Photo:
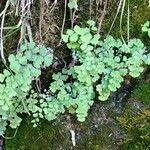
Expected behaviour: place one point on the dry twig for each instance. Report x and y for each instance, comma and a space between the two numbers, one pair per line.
23, 8
102, 17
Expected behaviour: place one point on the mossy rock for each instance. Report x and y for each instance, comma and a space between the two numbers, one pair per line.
47, 136
137, 129
55, 135
96, 139
141, 92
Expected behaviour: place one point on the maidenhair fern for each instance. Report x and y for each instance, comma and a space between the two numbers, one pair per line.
15, 82
104, 63
100, 68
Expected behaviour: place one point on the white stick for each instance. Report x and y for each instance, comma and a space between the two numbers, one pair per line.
72, 132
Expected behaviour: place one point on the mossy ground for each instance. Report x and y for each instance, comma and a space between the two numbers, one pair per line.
47, 136
137, 128
90, 135
100, 131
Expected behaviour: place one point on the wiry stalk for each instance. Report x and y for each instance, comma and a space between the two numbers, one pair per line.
22, 8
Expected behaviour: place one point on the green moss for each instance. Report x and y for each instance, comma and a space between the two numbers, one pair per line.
95, 134
98, 140
54, 135
139, 14
137, 129
47, 136
142, 92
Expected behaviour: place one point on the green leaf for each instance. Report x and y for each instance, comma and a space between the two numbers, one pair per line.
86, 38
5, 107
77, 29
83, 46
34, 125
145, 26
6, 73
72, 4
65, 38
2, 77
35, 50
28, 55
48, 60
2, 87
134, 74
15, 66
23, 60
43, 51
117, 59
70, 32
94, 28
11, 58
23, 47
89, 48
19, 79
103, 97
31, 45
74, 37
95, 39
112, 87
25, 88
73, 45
38, 62
81, 119
2, 102
91, 23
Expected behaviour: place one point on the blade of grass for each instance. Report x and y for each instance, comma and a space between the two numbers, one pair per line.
128, 23
118, 10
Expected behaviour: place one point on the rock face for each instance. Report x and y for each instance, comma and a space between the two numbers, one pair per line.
102, 130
